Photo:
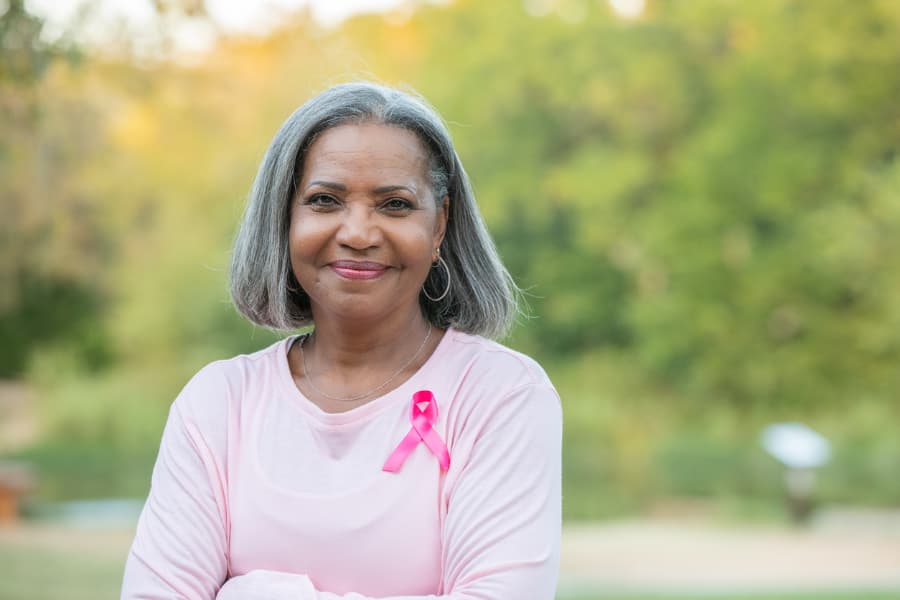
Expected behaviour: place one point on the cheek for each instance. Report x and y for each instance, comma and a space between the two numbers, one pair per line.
419, 247
304, 236
296, 238
430, 230
301, 248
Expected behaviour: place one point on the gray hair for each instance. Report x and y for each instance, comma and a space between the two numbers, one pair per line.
483, 299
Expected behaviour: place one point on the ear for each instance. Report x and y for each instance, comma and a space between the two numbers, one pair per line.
440, 224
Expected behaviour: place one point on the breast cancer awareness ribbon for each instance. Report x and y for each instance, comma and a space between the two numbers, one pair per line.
422, 430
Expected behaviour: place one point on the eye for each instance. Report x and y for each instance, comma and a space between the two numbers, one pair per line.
321, 201
397, 205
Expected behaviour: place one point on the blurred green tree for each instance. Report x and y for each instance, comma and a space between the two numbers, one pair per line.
702, 204
714, 166
48, 234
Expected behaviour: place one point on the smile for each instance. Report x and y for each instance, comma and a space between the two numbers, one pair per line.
349, 269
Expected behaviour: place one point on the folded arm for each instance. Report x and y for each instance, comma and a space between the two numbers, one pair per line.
500, 534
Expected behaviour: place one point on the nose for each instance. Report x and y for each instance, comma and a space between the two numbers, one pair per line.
359, 229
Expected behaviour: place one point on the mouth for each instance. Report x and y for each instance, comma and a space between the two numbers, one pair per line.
351, 269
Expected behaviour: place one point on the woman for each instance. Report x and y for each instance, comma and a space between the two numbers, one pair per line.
393, 452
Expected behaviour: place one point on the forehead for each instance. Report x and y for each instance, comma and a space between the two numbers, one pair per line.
366, 149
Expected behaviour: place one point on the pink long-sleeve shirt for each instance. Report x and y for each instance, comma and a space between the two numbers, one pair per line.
259, 494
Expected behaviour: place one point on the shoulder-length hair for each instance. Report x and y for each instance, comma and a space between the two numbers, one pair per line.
483, 299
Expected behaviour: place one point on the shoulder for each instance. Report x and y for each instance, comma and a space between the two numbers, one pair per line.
486, 359
222, 385
490, 382
499, 397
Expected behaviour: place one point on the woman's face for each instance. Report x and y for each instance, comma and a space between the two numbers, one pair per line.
365, 226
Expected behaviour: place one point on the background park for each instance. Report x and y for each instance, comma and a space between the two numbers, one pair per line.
701, 198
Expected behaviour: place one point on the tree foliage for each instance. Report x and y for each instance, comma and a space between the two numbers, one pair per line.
51, 246
706, 195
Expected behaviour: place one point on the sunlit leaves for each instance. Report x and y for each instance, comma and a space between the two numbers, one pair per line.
709, 189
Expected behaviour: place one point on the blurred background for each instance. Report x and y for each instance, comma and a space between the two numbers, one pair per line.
702, 198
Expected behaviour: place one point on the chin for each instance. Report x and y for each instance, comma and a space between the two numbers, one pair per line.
359, 307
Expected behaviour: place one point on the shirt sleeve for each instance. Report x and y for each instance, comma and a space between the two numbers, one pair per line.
179, 550
503, 522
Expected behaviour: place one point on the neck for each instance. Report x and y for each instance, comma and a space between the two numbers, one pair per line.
340, 344
354, 364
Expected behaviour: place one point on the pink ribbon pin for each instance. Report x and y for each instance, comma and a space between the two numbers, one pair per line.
422, 420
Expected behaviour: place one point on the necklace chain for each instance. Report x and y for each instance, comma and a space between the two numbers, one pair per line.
369, 392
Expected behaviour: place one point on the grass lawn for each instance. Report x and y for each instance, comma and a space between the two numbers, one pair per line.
30, 573
46, 563
787, 596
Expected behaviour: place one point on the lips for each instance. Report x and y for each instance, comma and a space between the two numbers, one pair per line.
351, 269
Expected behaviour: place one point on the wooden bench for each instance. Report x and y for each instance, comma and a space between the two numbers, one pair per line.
16, 480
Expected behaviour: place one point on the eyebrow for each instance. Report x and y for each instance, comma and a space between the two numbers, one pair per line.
328, 184
339, 187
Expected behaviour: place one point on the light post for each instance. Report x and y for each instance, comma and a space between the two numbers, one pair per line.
801, 450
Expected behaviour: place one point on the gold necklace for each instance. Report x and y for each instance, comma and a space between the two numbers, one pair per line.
369, 392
